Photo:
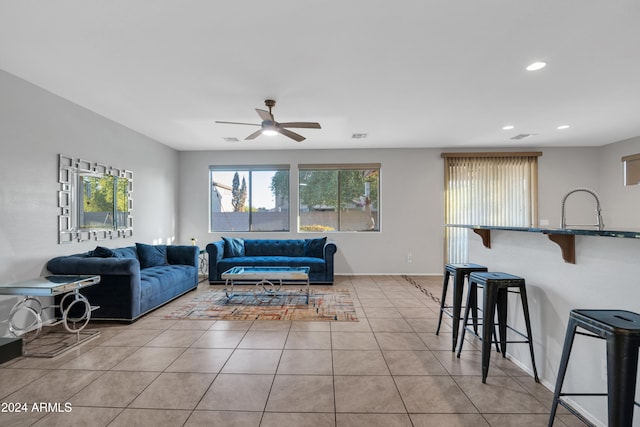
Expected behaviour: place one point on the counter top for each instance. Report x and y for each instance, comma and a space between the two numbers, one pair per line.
632, 234
563, 237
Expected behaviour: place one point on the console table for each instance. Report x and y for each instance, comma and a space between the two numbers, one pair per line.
26, 315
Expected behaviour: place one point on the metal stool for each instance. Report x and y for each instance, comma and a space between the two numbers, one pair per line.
621, 330
459, 271
496, 288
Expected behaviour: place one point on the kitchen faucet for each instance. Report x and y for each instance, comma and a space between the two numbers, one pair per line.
600, 224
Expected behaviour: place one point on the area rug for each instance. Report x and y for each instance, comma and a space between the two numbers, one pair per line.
324, 304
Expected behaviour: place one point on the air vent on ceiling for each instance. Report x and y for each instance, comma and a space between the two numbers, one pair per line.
359, 135
230, 139
522, 136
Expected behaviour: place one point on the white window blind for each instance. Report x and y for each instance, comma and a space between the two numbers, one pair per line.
487, 189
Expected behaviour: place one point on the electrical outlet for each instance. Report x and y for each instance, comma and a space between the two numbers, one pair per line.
544, 222
409, 257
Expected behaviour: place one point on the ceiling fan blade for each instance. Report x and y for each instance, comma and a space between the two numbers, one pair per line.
238, 123
254, 135
291, 134
310, 125
264, 114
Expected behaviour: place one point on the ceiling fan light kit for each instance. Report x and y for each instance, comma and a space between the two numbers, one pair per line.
269, 126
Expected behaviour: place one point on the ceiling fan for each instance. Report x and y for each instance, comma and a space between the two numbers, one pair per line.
269, 126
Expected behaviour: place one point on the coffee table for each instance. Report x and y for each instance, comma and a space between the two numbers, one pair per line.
26, 314
264, 278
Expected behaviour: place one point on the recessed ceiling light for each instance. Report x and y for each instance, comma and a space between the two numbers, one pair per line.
536, 66
508, 127
563, 127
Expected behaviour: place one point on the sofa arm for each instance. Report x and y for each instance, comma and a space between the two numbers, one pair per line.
329, 251
94, 265
183, 255
216, 253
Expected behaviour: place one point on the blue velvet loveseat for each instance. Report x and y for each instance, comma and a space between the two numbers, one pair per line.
133, 280
317, 254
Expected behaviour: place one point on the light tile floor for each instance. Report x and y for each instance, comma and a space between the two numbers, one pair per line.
388, 369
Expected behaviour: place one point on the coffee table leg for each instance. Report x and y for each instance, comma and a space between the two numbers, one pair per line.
272, 292
226, 288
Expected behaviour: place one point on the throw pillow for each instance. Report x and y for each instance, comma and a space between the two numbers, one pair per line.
233, 247
314, 247
151, 255
101, 252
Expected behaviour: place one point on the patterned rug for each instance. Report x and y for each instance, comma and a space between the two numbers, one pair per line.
324, 304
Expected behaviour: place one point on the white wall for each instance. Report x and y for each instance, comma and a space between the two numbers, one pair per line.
621, 204
561, 170
603, 277
35, 126
410, 199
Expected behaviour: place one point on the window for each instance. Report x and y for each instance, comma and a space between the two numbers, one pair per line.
249, 198
488, 189
339, 197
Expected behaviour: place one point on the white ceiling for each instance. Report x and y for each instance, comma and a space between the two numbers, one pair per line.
423, 73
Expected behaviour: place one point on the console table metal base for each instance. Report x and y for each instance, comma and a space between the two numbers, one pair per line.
52, 343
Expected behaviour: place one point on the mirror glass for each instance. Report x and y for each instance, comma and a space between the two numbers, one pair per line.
95, 201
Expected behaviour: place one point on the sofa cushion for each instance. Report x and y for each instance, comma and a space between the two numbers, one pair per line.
162, 283
314, 247
101, 252
128, 252
151, 255
233, 247
282, 247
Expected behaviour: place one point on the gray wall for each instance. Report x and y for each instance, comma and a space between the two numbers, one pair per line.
411, 203
35, 126
171, 193
411, 206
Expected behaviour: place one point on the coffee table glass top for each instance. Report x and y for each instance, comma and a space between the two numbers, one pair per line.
48, 285
279, 272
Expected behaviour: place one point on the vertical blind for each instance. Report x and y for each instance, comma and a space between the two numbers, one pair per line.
487, 189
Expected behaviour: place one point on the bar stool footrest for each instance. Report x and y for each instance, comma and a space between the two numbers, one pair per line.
575, 413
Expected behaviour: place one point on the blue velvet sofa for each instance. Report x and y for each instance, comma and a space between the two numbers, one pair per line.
134, 279
317, 254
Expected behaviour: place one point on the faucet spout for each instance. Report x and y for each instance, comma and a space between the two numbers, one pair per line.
600, 223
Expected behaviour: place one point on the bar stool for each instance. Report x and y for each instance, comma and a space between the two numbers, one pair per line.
459, 271
496, 289
621, 330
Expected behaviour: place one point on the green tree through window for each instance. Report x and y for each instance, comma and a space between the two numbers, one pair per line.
344, 198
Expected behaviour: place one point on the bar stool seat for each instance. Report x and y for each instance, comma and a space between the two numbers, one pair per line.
621, 331
496, 287
459, 272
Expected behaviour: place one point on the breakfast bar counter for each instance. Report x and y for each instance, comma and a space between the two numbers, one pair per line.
564, 237
594, 272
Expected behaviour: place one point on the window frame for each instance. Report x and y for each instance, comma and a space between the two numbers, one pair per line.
249, 169
339, 167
